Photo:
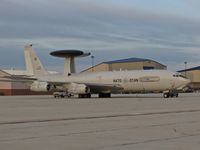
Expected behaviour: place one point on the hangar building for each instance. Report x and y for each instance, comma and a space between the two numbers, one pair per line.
194, 75
126, 64
15, 88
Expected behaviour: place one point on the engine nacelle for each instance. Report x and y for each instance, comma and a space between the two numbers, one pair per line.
38, 86
75, 88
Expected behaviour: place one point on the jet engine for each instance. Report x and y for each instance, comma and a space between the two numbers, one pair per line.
78, 88
39, 86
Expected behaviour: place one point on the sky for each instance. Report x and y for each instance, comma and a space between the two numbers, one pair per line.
167, 31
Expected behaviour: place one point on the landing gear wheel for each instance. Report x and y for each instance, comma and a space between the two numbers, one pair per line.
166, 95
176, 95
88, 95
170, 94
104, 95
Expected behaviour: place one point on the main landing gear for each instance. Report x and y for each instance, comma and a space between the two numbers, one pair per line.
104, 95
101, 95
88, 95
168, 94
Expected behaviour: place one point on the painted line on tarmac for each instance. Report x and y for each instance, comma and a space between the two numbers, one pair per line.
98, 117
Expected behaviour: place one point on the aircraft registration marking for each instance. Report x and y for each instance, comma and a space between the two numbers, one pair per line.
127, 80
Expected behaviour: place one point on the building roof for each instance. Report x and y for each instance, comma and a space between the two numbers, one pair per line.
126, 60
190, 69
133, 59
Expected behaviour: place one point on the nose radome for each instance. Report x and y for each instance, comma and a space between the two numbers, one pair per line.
187, 81
184, 82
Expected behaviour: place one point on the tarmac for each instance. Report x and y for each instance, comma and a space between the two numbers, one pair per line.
123, 122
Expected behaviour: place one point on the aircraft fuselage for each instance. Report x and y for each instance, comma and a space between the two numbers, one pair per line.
130, 81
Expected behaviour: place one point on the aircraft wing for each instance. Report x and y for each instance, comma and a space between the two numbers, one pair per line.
16, 78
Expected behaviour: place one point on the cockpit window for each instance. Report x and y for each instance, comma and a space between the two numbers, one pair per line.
179, 75
183, 76
175, 75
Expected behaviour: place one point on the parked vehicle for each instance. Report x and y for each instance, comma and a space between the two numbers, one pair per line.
62, 94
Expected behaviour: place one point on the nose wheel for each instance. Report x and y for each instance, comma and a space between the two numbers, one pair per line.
170, 94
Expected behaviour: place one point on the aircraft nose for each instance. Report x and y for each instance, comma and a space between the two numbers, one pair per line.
187, 81
183, 82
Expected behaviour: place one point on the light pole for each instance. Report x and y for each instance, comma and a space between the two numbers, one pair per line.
185, 67
92, 57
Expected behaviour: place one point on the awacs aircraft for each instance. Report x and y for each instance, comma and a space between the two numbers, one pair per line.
103, 83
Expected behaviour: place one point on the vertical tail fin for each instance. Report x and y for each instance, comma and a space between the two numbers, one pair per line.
33, 64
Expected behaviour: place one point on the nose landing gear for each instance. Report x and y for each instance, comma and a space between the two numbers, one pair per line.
168, 94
